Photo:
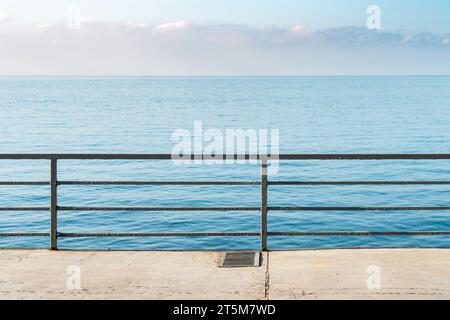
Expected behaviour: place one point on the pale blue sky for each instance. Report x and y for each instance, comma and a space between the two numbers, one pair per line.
398, 15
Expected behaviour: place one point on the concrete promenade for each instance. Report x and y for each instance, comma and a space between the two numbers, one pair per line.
320, 274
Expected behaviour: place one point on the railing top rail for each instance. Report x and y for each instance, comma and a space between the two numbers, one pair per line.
284, 156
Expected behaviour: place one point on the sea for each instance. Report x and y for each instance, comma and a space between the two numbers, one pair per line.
320, 115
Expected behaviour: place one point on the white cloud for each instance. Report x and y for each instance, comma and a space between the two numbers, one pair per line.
407, 38
78, 23
300, 29
88, 19
172, 26
3, 17
141, 48
137, 25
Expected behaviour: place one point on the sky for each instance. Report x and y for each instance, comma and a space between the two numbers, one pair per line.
223, 37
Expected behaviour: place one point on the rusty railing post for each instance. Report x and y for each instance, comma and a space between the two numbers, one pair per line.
54, 205
264, 204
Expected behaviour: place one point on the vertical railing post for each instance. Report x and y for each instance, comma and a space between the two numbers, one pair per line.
54, 204
264, 204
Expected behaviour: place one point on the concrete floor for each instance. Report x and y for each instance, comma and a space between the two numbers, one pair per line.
326, 274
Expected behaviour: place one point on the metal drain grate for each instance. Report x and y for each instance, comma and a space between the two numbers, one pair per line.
240, 259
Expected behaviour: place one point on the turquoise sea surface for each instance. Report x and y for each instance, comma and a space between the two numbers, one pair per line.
139, 115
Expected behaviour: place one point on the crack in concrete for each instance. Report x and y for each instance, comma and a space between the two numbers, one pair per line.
267, 279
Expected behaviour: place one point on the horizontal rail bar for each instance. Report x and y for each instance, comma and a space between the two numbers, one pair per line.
25, 209
143, 183
362, 233
359, 208
364, 156
229, 234
350, 183
225, 183
419, 208
24, 183
67, 156
158, 234
25, 234
159, 208
72, 156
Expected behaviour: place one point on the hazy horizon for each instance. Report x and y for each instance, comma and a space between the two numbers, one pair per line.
231, 76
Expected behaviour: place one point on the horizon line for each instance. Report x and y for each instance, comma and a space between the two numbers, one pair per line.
223, 76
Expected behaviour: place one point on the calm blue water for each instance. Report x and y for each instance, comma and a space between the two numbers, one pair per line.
314, 115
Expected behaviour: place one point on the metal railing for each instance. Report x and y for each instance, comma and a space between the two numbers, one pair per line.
264, 184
